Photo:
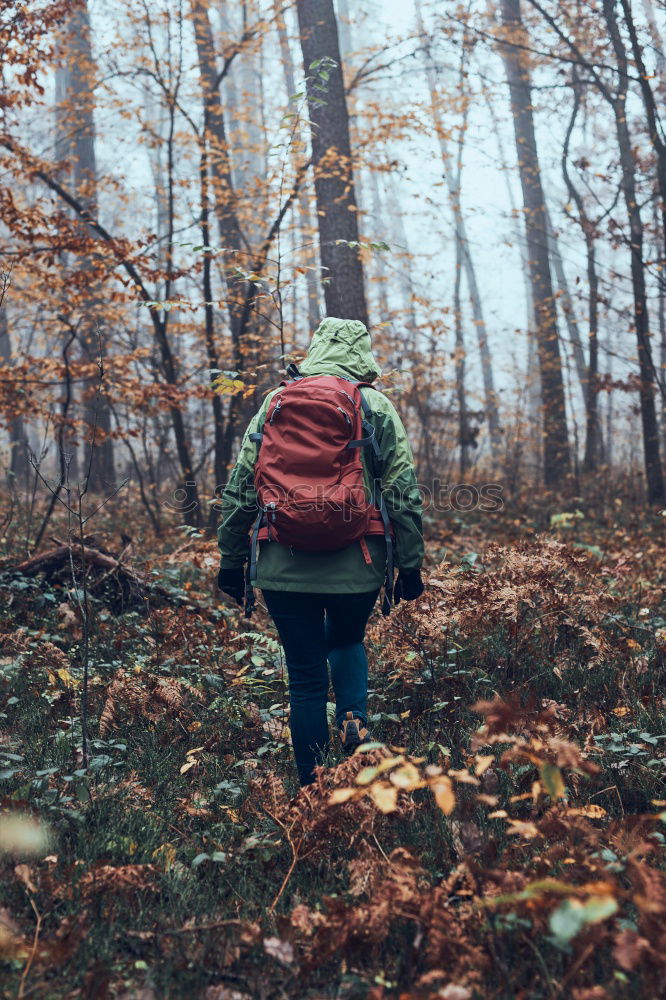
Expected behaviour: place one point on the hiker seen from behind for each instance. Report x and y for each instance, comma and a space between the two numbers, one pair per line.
320, 511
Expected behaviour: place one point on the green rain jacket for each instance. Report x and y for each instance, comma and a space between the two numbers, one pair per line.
339, 347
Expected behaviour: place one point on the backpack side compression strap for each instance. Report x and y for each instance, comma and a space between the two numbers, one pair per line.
379, 502
368, 428
251, 577
364, 442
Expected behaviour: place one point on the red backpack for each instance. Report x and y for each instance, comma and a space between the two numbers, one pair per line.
309, 473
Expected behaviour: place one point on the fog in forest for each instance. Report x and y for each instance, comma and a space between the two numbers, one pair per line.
118, 121
332, 562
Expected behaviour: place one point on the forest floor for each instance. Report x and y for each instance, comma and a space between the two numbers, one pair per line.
502, 838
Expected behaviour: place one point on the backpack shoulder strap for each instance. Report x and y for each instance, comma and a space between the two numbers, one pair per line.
370, 435
367, 409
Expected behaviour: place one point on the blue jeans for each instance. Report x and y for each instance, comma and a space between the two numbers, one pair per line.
312, 629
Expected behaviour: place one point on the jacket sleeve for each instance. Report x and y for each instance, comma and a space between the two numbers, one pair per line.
397, 477
239, 500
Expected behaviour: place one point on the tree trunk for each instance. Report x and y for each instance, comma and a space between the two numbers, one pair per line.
463, 428
378, 232
657, 41
371, 219
344, 290
490, 393
17, 466
410, 352
555, 438
653, 469
404, 264
533, 395
231, 236
655, 133
219, 467
242, 116
346, 27
608, 456
156, 112
306, 223
566, 303
75, 143
651, 114
593, 436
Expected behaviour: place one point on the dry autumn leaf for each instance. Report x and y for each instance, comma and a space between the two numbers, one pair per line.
384, 796
442, 789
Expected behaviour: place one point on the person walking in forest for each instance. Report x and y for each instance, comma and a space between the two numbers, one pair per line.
325, 472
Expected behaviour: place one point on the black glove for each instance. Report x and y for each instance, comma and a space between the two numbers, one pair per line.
408, 586
232, 582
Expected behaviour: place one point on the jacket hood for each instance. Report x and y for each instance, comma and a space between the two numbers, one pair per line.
341, 347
